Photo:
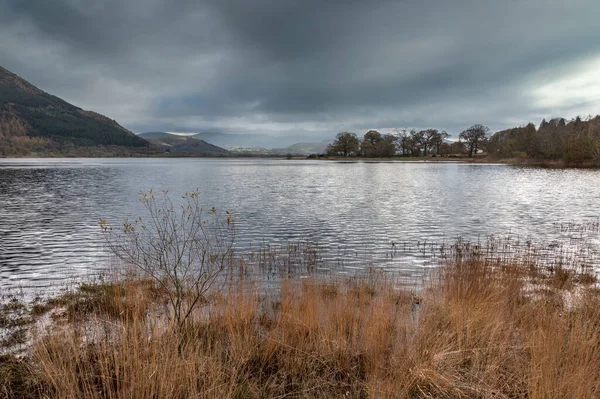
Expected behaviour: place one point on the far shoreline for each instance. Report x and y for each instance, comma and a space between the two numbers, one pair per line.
553, 164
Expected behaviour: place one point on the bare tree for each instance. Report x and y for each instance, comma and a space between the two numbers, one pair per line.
416, 141
474, 136
438, 140
401, 141
182, 248
428, 138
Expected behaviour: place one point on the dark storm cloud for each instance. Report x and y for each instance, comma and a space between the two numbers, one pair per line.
309, 67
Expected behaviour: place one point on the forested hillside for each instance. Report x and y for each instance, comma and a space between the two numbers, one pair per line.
32, 120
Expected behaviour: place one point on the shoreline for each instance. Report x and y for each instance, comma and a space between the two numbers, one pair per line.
552, 164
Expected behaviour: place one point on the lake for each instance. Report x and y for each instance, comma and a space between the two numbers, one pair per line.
354, 211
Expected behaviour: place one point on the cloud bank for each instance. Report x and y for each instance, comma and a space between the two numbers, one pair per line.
309, 68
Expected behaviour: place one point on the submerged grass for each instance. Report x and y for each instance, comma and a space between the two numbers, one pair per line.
481, 327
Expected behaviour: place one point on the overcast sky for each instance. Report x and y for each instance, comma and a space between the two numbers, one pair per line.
310, 67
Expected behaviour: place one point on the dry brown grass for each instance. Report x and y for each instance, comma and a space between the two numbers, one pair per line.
478, 329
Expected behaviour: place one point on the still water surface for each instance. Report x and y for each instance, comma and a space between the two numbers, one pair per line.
49, 209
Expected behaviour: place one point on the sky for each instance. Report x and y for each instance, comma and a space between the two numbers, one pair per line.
312, 68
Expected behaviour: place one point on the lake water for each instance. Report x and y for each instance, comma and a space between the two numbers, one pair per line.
49, 209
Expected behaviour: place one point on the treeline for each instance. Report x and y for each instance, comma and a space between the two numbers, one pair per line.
44, 147
428, 142
574, 141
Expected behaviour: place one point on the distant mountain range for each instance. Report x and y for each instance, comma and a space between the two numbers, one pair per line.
33, 121
306, 148
187, 145
260, 144
228, 140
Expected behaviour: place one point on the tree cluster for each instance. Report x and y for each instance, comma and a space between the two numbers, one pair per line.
571, 141
376, 145
408, 143
423, 142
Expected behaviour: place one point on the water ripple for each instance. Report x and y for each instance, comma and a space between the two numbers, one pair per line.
356, 212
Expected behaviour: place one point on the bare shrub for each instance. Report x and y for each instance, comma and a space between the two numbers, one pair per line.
185, 249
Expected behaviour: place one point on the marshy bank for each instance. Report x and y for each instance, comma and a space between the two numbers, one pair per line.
481, 326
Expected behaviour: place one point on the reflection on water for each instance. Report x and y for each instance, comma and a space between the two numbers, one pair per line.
358, 213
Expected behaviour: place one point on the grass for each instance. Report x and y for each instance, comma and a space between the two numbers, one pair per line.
14, 322
480, 328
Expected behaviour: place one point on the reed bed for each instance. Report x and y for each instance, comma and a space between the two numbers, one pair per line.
489, 322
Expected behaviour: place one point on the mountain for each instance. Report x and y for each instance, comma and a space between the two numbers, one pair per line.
238, 144
305, 148
32, 120
264, 143
183, 144
229, 140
